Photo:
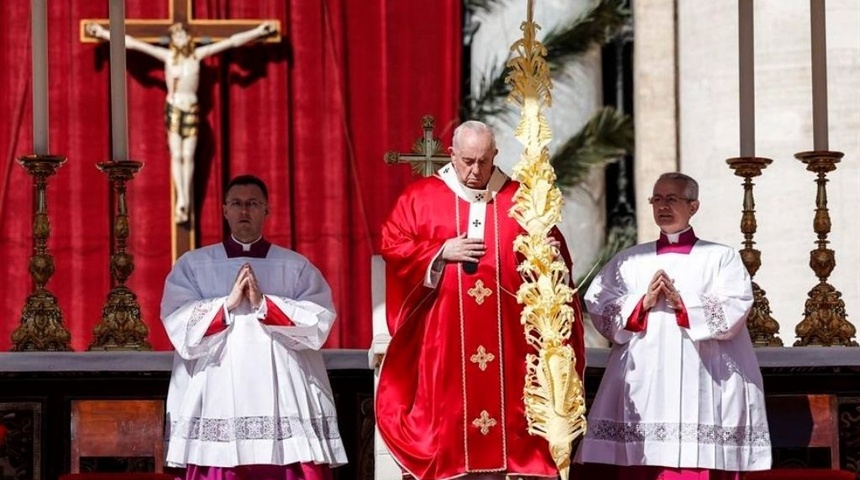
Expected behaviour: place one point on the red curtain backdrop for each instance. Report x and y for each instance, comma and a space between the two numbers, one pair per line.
312, 116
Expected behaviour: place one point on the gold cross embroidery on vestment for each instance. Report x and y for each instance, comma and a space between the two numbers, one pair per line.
482, 358
479, 292
484, 422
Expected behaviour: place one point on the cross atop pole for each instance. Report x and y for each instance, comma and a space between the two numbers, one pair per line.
155, 30
427, 156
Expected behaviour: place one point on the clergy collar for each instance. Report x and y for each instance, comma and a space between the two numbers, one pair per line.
681, 242
471, 195
259, 248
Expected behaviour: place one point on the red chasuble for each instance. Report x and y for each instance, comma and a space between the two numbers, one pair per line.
450, 397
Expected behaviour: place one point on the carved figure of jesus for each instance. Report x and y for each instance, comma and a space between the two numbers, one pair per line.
182, 73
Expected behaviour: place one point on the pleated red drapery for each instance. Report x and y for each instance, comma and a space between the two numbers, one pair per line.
312, 116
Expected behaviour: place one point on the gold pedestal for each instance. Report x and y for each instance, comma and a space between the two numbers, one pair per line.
41, 326
824, 318
762, 327
121, 327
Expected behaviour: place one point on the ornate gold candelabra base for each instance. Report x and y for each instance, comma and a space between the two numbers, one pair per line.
762, 327
121, 327
41, 326
824, 319
41, 320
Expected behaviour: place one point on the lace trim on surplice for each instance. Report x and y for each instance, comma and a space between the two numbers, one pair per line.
715, 316
253, 428
200, 310
609, 316
674, 432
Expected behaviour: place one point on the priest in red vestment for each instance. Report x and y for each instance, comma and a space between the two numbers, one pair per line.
450, 397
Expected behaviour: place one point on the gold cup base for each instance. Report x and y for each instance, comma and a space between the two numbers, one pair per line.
121, 327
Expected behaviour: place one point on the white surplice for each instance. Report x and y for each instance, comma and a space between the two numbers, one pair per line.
252, 393
672, 396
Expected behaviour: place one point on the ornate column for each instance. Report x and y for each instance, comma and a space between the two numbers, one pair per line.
121, 327
762, 327
41, 320
824, 319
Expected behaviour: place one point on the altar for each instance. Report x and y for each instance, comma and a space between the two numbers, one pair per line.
38, 388
36, 391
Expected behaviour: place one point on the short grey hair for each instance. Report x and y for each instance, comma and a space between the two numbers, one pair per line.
691, 186
473, 126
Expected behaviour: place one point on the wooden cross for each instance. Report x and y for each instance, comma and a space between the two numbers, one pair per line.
155, 30
203, 31
427, 156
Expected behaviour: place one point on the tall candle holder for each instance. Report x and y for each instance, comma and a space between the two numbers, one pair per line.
762, 327
121, 327
41, 326
824, 318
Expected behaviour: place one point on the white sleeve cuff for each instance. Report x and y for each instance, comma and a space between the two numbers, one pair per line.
434, 270
262, 310
228, 317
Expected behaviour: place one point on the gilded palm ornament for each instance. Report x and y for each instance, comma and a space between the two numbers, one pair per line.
553, 394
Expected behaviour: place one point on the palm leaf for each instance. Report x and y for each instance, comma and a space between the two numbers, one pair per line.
597, 26
564, 44
490, 100
604, 139
620, 237
486, 6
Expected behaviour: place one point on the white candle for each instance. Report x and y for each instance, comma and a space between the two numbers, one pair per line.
746, 64
118, 111
39, 18
819, 74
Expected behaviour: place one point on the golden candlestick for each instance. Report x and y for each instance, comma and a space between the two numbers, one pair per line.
121, 327
824, 318
41, 320
762, 327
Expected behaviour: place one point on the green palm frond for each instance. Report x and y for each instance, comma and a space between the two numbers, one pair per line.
486, 6
597, 26
619, 238
604, 139
491, 98
564, 44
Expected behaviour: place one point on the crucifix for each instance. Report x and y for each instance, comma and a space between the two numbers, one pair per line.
170, 40
427, 156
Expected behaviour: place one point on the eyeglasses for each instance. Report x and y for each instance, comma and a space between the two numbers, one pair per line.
670, 200
240, 205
